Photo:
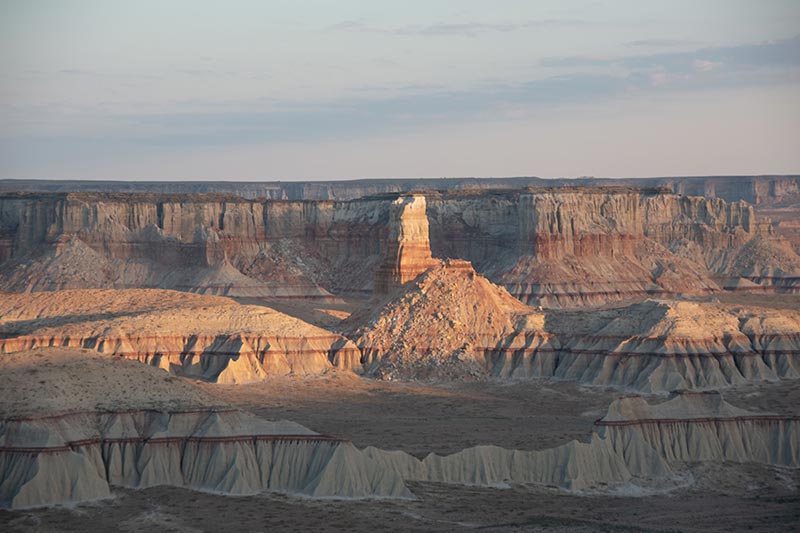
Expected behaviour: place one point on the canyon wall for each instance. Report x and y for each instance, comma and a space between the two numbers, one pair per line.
555, 246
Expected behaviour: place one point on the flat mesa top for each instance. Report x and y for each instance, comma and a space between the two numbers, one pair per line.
44, 382
189, 197
88, 312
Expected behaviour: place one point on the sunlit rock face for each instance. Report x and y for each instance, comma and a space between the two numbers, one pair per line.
409, 251
556, 247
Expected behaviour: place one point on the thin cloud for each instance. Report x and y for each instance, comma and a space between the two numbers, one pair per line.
255, 121
465, 29
76, 72
780, 53
662, 43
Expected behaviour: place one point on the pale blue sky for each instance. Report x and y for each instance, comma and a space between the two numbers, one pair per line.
302, 89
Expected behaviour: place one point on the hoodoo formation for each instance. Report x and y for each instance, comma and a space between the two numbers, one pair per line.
156, 339
409, 251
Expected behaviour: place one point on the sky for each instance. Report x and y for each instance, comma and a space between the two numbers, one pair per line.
344, 89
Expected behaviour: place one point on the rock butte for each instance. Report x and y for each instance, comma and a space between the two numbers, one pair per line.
409, 252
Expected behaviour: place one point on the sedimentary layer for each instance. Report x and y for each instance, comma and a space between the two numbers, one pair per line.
454, 323
409, 252
551, 246
656, 346
204, 337
636, 443
694, 427
77, 450
58, 454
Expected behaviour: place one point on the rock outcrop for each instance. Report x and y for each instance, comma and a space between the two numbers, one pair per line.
203, 337
409, 251
657, 346
163, 433
636, 443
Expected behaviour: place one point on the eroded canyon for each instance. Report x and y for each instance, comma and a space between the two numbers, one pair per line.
381, 340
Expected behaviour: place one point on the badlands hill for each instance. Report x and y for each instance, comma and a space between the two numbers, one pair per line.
163, 433
453, 323
114, 422
205, 337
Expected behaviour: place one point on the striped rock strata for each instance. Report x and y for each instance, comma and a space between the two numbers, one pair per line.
204, 337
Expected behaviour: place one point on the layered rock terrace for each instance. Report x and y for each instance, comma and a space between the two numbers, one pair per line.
204, 337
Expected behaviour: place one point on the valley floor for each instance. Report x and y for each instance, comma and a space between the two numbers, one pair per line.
437, 508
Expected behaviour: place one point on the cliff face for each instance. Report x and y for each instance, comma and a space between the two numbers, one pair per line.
207, 244
608, 222
550, 246
409, 253
587, 245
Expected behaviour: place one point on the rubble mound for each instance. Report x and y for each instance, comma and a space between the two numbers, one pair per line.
206, 337
69, 264
437, 326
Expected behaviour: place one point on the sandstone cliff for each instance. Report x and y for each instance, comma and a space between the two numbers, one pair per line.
594, 245
550, 246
